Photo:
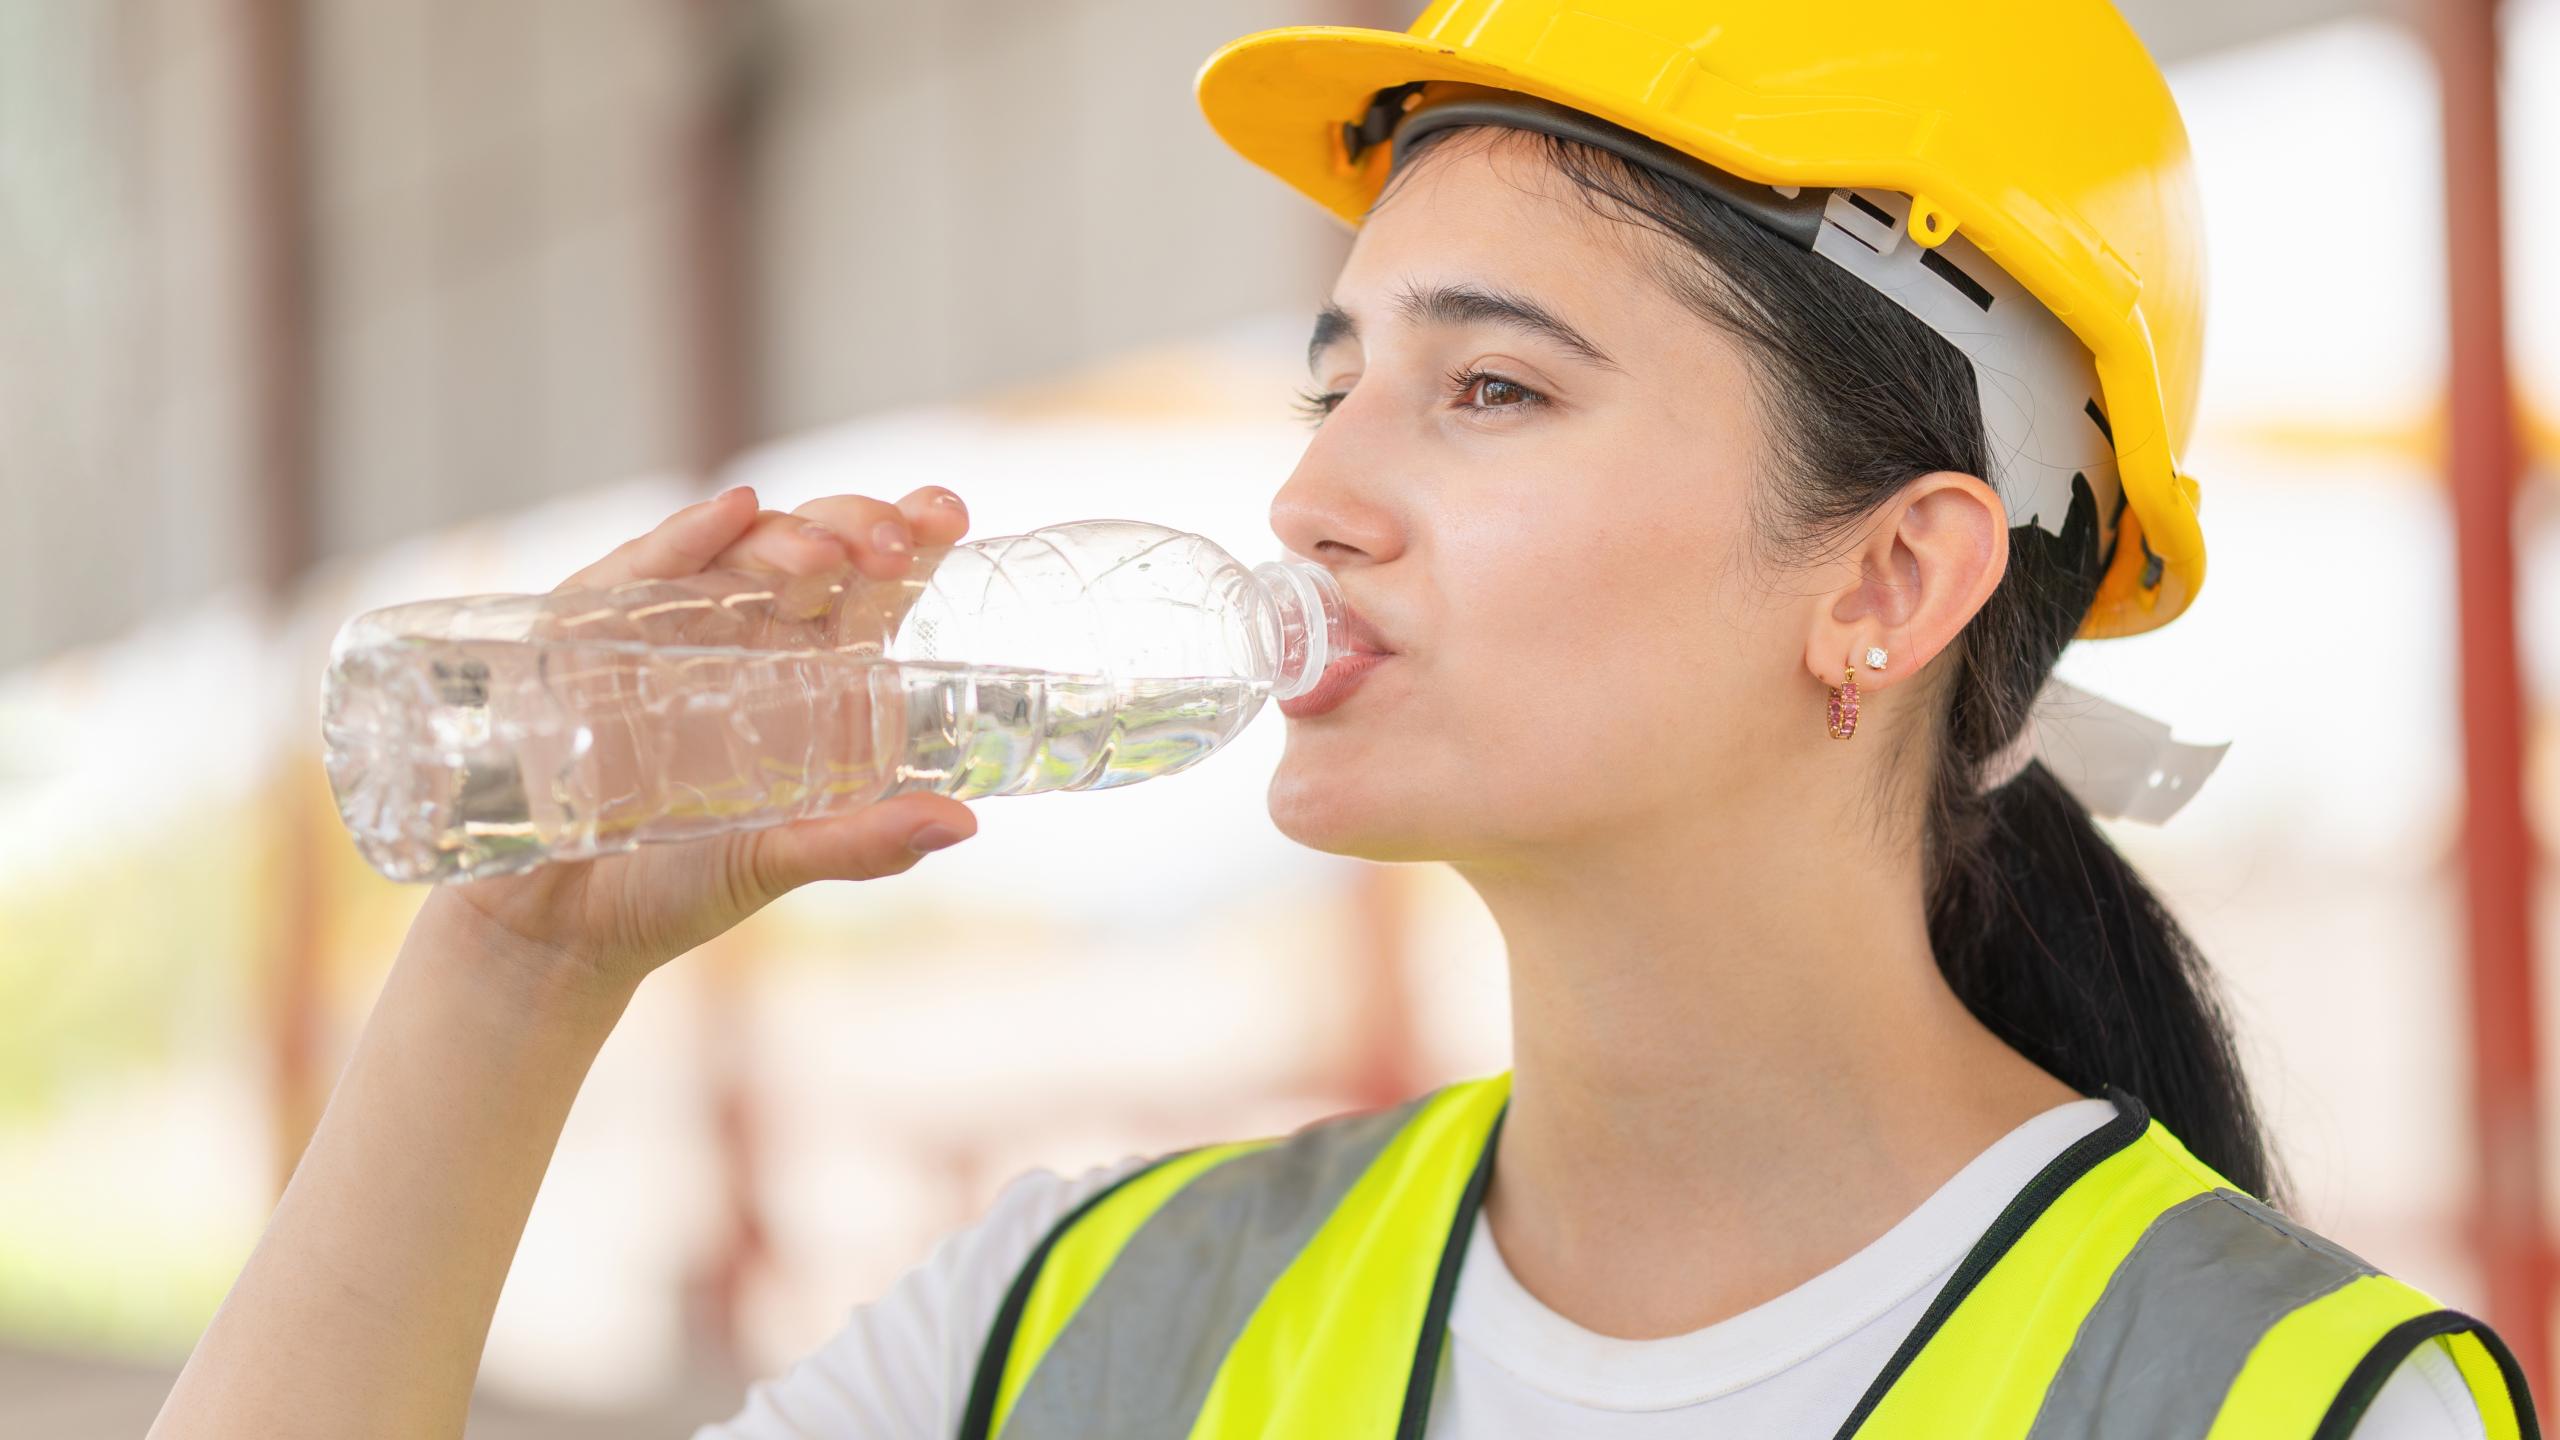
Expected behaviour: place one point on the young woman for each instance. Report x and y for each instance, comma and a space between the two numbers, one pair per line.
1719, 504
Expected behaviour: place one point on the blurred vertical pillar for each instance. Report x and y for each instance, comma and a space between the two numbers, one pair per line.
1384, 1066
717, 1283
715, 212
282, 372
2486, 464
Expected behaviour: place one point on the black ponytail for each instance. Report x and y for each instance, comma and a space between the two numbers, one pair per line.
2052, 939
2040, 926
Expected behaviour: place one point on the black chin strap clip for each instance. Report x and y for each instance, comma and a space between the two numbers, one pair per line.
1385, 108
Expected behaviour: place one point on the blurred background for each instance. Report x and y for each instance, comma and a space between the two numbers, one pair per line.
308, 306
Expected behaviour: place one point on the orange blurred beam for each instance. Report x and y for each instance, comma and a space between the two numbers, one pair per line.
283, 371
733, 42
713, 177
2485, 460
1385, 1059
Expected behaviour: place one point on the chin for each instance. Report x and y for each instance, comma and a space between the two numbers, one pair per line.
1342, 814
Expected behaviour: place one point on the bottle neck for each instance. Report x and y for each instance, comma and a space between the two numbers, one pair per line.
1307, 612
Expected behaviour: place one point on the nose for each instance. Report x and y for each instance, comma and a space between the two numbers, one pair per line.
1336, 506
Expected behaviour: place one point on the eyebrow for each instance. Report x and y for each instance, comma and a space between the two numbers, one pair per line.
1462, 304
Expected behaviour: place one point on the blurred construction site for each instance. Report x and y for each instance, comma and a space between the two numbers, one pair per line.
308, 306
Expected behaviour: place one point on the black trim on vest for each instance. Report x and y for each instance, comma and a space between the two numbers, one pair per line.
2365, 1381
1444, 1287
2064, 1171
991, 1357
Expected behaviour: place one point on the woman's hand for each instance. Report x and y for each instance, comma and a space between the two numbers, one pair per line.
610, 921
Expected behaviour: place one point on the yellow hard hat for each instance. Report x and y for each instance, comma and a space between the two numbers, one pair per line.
2040, 129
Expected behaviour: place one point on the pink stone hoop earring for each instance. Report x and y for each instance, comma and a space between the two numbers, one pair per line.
1843, 710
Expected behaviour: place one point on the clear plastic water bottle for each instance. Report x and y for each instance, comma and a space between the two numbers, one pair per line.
489, 734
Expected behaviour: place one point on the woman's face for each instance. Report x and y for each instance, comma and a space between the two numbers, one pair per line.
1553, 542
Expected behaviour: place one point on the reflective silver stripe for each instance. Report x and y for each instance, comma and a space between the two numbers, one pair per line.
2158, 1352
1137, 1357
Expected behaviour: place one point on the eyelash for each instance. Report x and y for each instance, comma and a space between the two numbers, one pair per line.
1313, 406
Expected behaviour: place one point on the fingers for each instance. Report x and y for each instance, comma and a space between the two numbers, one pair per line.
877, 537
874, 841
777, 540
683, 544
729, 532
935, 516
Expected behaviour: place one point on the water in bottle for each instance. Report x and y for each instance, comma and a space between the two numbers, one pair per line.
488, 734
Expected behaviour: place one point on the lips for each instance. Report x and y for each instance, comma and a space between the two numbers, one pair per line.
1340, 678
1362, 637
1364, 648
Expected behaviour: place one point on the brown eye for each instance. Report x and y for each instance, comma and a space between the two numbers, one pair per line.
1499, 393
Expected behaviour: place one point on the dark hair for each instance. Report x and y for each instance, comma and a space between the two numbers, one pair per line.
2040, 926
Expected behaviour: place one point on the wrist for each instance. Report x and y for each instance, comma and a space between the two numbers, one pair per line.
541, 982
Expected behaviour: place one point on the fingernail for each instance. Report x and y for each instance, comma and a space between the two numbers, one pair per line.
822, 535
946, 498
932, 838
887, 536
733, 490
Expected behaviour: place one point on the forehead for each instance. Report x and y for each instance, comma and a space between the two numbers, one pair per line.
1485, 205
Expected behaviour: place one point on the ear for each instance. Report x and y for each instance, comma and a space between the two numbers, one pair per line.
1936, 553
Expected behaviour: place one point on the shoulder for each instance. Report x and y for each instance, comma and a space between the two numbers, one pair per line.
2285, 1302
1025, 1209
902, 1363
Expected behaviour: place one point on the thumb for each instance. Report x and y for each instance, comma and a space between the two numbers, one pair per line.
872, 842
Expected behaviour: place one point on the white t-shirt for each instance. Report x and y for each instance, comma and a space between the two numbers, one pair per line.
1513, 1369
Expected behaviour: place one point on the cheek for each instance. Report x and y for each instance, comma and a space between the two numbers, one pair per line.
1602, 636
1574, 570
1578, 681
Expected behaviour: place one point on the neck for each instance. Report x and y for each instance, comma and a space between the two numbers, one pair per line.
1725, 1080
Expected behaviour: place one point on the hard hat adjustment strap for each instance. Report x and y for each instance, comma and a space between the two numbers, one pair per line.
1385, 109
1798, 217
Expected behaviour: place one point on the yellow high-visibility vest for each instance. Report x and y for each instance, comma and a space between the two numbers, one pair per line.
1298, 1288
